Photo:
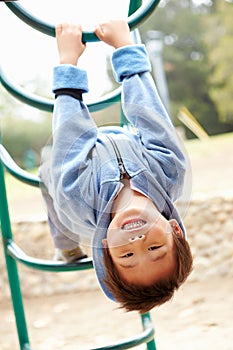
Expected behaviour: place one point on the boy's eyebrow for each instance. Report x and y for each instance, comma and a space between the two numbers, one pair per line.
130, 266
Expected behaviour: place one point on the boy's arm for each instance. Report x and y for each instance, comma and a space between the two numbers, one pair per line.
68, 80
142, 106
141, 103
74, 131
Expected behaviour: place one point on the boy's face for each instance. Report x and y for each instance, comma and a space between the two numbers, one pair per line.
140, 242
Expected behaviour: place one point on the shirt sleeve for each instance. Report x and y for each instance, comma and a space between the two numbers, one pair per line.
144, 109
74, 137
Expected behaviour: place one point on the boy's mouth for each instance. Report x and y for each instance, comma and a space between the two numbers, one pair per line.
133, 224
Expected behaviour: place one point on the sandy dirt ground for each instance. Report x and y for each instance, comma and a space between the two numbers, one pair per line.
199, 318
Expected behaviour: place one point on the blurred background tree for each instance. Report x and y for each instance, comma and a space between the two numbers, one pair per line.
189, 50
219, 38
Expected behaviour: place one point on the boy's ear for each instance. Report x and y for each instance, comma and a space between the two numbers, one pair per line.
176, 228
105, 243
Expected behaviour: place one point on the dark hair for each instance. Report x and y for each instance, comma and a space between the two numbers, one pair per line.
143, 299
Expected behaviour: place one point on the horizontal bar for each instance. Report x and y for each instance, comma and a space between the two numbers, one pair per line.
16, 171
46, 265
135, 19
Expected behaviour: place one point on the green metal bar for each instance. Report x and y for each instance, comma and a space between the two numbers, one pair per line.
12, 270
146, 336
27, 347
24, 96
46, 265
16, 171
146, 322
133, 6
136, 18
143, 12
47, 105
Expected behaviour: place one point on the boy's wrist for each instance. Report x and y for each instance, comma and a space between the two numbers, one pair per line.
122, 44
68, 60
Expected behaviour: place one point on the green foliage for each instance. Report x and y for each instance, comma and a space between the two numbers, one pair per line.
186, 57
219, 36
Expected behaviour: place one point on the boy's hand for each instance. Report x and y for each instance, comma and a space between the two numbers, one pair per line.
69, 43
115, 33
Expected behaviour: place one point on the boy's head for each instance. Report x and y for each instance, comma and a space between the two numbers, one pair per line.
146, 257
143, 297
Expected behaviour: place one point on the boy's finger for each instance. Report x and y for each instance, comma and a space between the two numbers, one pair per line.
58, 29
98, 31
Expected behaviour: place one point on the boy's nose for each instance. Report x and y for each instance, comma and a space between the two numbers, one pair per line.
136, 238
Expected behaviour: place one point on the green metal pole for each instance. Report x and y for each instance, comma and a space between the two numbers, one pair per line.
12, 267
146, 321
133, 6
144, 10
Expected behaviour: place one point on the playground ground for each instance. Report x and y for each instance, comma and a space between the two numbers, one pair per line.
199, 318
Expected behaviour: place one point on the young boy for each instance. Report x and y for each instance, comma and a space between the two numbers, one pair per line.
114, 188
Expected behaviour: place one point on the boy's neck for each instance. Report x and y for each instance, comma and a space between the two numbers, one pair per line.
126, 197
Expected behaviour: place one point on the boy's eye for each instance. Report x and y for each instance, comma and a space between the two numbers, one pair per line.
127, 255
154, 247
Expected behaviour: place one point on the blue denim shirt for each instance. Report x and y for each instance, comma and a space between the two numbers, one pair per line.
85, 176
